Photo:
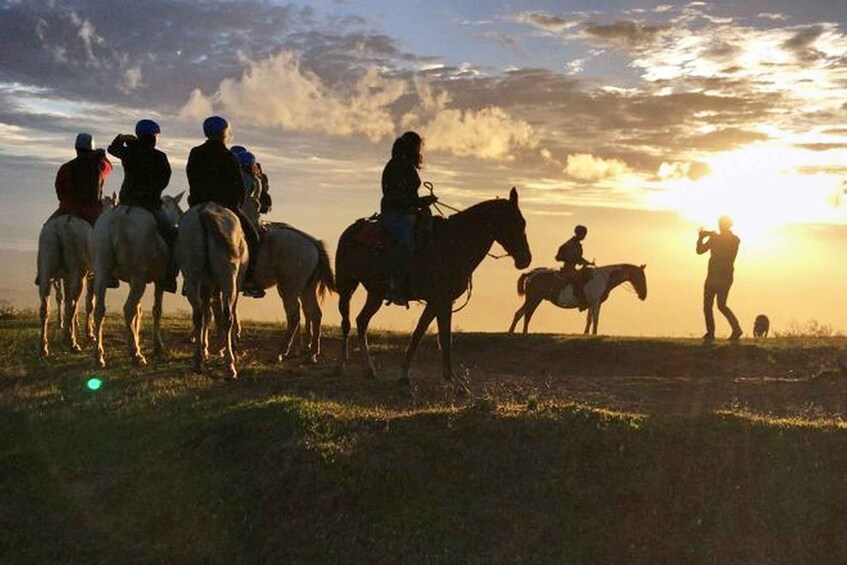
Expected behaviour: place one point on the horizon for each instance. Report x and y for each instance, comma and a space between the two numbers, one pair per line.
642, 120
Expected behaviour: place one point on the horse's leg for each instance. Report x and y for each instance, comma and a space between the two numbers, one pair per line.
588, 316
44, 285
236, 324
132, 320
372, 305
158, 346
73, 290
60, 302
345, 293
596, 317
99, 313
518, 314
291, 304
314, 316
423, 323
228, 301
532, 305
89, 306
444, 317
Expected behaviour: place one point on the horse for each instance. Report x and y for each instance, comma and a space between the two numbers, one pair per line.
442, 269
545, 284
64, 263
213, 258
127, 245
299, 266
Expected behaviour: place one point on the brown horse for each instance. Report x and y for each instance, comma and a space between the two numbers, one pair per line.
545, 284
441, 270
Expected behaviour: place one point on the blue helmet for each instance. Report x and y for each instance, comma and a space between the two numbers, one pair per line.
214, 126
147, 127
84, 142
238, 149
246, 159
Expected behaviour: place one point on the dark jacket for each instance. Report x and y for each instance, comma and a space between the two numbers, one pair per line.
147, 171
214, 176
79, 184
724, 249
400, 184
571, 252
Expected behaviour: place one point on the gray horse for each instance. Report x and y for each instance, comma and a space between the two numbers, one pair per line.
213, 257
127, 245
64, 263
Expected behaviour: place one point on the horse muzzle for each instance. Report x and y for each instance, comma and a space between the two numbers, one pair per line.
523, 261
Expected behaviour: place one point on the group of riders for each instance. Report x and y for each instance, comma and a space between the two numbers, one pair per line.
231, 177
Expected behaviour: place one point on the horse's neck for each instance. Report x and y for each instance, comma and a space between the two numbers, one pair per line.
471, 237
617, 275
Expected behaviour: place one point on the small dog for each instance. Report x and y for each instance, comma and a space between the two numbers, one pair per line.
761, 326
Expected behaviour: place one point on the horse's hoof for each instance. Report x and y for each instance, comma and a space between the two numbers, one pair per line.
139, 360
232, 374
461, 389
44, 352
74, 348
311, 360
101, 362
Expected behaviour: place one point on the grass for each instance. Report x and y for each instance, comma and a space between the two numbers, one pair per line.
293, 465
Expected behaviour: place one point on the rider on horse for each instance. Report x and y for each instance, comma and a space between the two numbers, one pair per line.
400, 207
570, 253
265, 202
214, 175
147, 173
79, 183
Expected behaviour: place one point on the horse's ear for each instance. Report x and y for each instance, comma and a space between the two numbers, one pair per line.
643, 267
178, 197
513, 196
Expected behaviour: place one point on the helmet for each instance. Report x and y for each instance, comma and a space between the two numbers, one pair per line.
246, 159
580, 230
214, 126
147, 127
84, 141
238, 149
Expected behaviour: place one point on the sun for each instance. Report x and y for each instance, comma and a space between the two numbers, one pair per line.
761, 188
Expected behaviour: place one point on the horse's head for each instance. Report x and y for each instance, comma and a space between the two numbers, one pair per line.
170, 204
510, 230
636, 276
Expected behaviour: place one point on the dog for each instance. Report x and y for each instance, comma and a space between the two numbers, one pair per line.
761, 326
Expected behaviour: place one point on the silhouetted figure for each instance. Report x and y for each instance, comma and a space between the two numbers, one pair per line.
570, 254
79, 182
723, 246
400, 207
214, 175
761, 326
147, 173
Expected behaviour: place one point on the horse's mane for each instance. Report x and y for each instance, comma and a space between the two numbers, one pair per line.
479, 208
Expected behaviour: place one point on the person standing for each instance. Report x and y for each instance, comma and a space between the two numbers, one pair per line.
723, 246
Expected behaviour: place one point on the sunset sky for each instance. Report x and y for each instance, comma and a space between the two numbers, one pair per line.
641, 120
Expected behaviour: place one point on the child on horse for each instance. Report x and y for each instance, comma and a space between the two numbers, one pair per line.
570, 254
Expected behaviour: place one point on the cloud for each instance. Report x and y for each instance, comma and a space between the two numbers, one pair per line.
802, 43
626, 33
773, 16
586, 167
681, 170
545, 21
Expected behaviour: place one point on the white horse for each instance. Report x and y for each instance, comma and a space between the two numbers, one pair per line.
64, 263
544, 284
299, 266
213, 258
127, 245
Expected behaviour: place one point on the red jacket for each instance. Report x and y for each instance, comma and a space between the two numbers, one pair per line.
79, 185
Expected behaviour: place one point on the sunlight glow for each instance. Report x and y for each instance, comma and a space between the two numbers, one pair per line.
761, 188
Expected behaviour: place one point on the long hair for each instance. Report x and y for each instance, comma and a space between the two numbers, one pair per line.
409, 146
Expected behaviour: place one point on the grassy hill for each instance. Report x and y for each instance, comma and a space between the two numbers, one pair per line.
568, 450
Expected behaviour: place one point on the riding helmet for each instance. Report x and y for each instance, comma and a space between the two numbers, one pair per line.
147, 127
214, 126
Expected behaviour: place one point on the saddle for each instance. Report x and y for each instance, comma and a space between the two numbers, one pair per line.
369, 232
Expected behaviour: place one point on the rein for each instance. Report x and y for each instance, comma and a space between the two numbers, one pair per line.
438, 205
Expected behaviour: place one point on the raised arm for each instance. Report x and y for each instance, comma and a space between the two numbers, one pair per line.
703, 243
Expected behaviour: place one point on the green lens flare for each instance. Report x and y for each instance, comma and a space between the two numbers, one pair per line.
94, 383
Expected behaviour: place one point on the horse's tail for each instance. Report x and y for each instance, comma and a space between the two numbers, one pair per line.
522, 281
323, 271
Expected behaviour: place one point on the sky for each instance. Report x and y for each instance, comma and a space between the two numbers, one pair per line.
641, 120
